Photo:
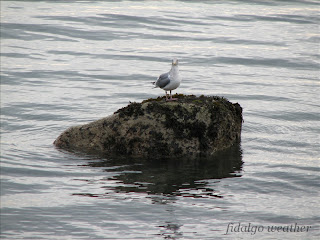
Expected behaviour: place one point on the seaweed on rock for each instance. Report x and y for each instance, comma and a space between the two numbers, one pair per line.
192, 126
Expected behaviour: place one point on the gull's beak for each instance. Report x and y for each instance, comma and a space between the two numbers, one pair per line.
175, 62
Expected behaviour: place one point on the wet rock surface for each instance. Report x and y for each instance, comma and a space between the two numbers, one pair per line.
192, 127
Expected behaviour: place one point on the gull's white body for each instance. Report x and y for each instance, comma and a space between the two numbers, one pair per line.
170, 80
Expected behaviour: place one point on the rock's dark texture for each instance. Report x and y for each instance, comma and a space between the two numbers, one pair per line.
192, 126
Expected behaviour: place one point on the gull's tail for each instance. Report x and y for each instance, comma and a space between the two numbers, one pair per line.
154, 83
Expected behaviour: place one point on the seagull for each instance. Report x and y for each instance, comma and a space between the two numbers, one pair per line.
170, 80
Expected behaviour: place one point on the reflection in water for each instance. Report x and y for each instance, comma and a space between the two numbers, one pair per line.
166, 179
172, 177
171, 228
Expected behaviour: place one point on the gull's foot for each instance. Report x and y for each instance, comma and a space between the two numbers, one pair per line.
171, 99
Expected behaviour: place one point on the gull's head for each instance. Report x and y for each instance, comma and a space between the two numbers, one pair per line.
175, 62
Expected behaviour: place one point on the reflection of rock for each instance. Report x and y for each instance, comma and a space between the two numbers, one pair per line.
192, 126
173, 176
171, 231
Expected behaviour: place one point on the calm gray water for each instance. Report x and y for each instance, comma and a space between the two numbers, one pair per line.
72, 62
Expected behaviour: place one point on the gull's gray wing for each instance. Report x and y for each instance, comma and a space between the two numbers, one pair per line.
163, 80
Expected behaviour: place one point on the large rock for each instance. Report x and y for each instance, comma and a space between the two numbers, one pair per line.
192, 126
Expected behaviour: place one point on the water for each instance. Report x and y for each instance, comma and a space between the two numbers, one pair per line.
69, 63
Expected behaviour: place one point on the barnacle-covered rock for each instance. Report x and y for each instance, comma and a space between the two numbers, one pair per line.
190, 127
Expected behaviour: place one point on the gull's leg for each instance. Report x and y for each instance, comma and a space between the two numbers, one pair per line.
166, 96
172, 99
